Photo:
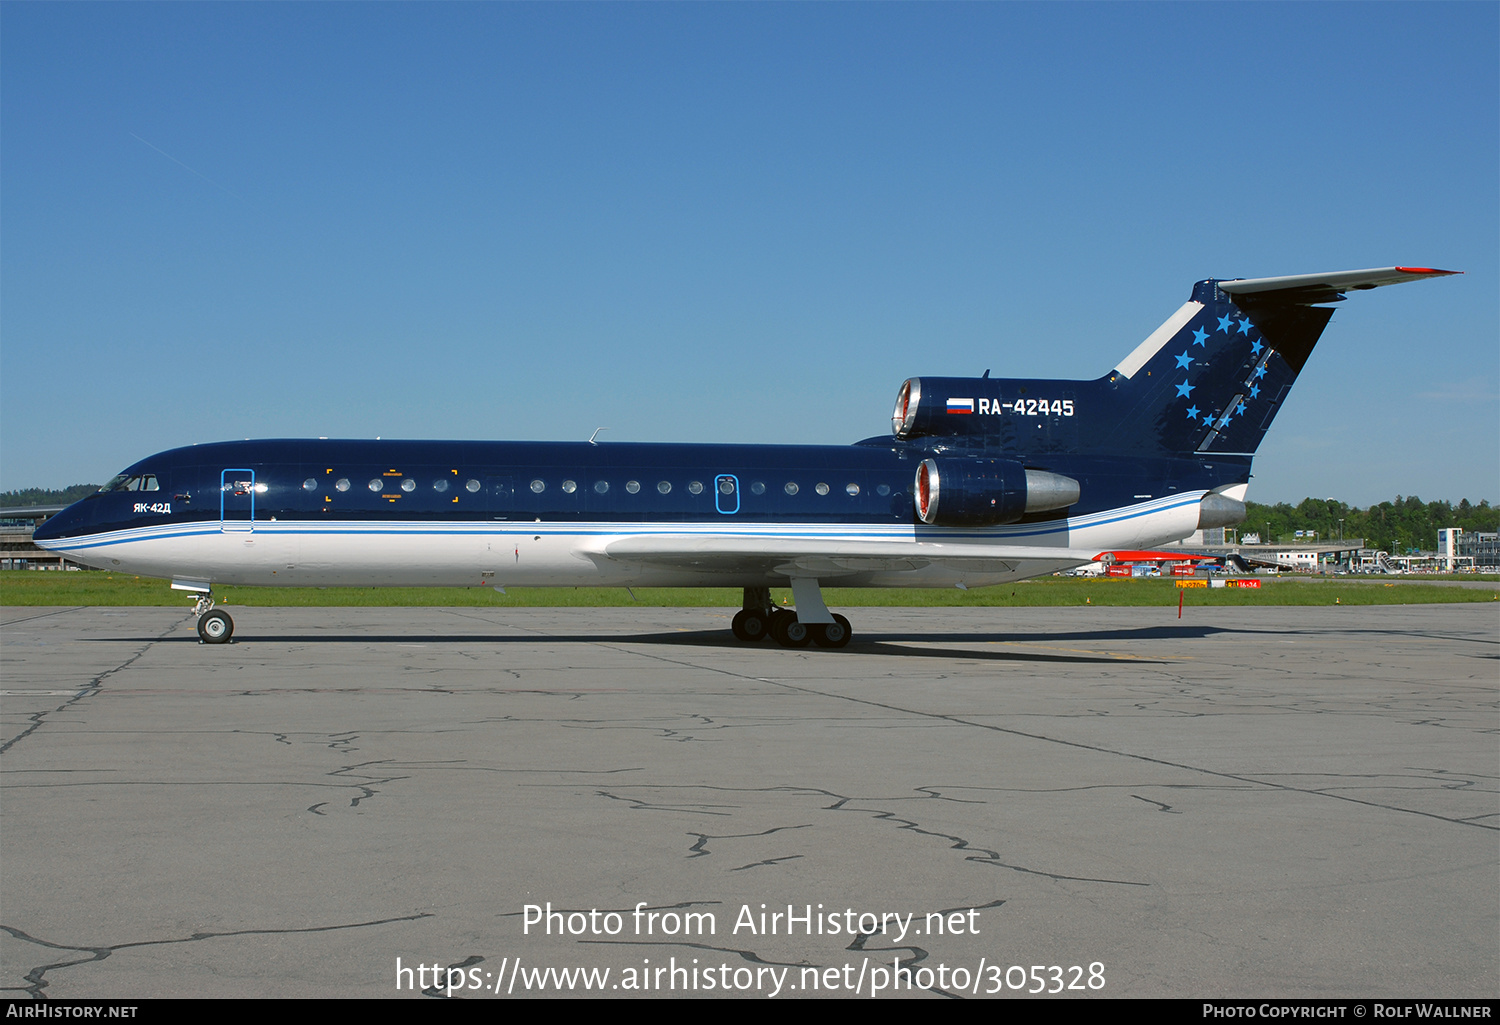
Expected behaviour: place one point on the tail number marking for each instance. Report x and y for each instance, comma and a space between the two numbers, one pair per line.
1027, 407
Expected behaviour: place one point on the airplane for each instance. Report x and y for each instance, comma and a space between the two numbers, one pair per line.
982, 481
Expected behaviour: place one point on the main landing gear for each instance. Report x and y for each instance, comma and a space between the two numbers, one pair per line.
760, 618
214, 625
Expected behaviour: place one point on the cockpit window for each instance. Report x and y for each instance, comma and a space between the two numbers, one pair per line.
132, 482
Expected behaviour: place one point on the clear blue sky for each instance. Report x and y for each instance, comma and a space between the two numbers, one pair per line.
728, 222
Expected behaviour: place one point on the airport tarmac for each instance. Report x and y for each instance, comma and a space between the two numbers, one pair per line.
1258, 802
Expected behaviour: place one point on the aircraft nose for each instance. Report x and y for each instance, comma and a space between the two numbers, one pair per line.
71, 522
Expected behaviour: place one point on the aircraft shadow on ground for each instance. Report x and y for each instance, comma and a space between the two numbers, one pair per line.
918, 643
870, 642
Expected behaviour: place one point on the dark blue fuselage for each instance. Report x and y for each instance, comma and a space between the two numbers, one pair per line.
562, 482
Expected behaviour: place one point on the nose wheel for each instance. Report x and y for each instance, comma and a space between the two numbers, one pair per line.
215, 628
214, 625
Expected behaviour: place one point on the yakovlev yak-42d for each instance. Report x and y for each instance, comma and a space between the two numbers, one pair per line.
984, 480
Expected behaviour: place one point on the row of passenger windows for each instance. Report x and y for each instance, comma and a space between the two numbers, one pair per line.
725, 485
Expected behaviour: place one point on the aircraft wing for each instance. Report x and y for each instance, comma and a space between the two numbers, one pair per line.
832, 559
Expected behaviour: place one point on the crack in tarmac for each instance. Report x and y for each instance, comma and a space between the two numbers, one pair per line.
44, 615
842, 802
1159, 806
769, 862
700, 849
37, 975
1097, 748
87, 690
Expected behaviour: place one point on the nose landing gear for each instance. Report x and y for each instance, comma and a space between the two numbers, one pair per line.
214, 625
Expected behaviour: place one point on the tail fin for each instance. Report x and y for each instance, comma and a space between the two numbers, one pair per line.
1211, 379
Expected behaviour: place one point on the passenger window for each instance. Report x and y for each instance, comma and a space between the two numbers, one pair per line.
883, 490
472, 486
311, 484
408, 485
440, 485
569, 487
822, 488
538, 486
758, 487
696, 487
851, 490
633, 486
601, 486
791, 487
342, 485
664, 487
377, 485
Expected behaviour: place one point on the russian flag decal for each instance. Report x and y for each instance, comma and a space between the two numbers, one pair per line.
960, 405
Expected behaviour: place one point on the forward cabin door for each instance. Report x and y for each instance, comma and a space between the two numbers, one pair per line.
237, 489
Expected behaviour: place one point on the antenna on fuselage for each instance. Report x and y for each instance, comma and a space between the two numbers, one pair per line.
596, 434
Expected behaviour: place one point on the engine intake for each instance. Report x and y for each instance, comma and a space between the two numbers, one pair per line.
986, 492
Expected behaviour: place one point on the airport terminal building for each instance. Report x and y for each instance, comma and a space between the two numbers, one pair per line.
1460, 549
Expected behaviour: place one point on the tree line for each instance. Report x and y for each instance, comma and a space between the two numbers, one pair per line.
27, 497
1405, 524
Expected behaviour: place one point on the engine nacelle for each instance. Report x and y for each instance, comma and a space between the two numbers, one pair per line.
986, 492
1220, 511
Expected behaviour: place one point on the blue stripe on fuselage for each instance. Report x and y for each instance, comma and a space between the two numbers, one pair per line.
771, 532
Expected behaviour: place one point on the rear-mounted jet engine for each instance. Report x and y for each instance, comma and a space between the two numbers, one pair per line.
986, 492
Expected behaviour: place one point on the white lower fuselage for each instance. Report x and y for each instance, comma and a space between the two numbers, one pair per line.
373, 553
